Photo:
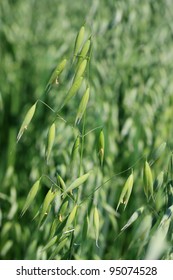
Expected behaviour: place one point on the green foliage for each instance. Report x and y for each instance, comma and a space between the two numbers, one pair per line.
124, 57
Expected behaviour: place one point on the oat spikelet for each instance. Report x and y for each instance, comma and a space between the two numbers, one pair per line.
101, 147
79, 181
72, 216
26, 121
46, 203
126, 192
80, 70
84, 51
78, 42
133, 218
55, 75
82, 106
73, 90
50, 243
75, 148
148, 180
96, 224
31, 195
50, 141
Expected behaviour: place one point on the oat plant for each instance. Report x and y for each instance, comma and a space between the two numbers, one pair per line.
82, 199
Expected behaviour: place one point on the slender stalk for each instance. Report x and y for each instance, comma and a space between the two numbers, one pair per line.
82, 144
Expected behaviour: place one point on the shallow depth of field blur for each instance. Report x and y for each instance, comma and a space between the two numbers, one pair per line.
130, 74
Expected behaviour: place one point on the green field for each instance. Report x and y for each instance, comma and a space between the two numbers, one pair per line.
86, 129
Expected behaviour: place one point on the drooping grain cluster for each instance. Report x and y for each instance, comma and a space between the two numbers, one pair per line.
71, 205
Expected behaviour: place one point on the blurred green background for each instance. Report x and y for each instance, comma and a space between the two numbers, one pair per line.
130, 75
